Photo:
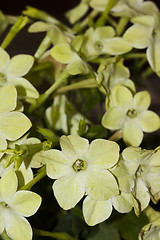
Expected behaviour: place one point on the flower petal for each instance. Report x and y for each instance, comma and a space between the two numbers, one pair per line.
138, 35
103, 153
114, 118
115, 46
123, 203
24, 88
69, 191
8, 99
101, 184
14, 124
2, 219
74, 147
132, 133
142, 193
18, 227
19, 66
122, 97
25, 203
57, 165
142, 100
96, 211
149, 121
4, 59
8, 186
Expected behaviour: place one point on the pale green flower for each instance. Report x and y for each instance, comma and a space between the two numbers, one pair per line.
57, 119
104, 42
138, 173
98, 211
15, 206
13, 124
145, 33
133, 8
82, 169
129, 113
113, 74
12, 72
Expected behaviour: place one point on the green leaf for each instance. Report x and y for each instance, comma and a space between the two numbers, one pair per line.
129, 225
103, 232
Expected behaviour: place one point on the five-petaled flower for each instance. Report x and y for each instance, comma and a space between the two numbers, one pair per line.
129, 113
15, 206
82, 169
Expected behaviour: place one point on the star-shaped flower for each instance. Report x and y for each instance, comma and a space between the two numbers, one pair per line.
12, 72
15, 206
129, 113
81, 168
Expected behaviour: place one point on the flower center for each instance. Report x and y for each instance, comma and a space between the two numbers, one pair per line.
98, 46
79, 165
131, 113
3, 78
4, 205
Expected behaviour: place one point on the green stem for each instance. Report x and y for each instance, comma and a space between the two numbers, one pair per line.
46, 42
40, 175
102, 19
50, 90
21, 22
116, 136
135, 55
89, 83
57, 235
121, 25
80, 26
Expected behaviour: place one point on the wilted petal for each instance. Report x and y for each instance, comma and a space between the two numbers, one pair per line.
24, 88
142, 194
14, 124
153, 181
69, 191
142, 100
8, 186
8, 99
101, 184
123, 203
103, 153
4, 59
19, 66
132, 133
96, 211
18, 227
149, 121
57, 165
25, 203
74, 147
114, 118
